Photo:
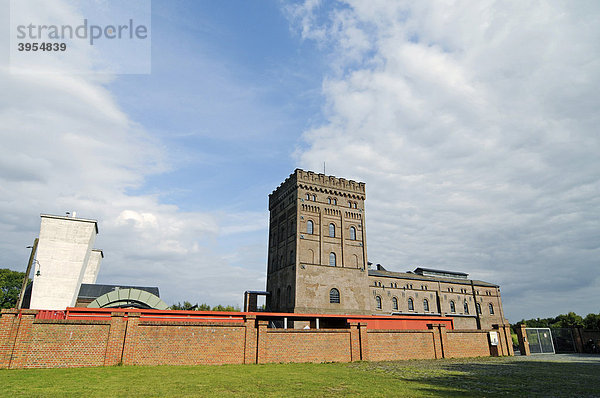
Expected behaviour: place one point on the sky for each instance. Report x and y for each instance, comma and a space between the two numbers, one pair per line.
473, 124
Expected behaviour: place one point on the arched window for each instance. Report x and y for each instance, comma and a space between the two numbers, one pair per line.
292, 259
378, 302
452, 307
334, 296
309, 227
335, 201
355, 205
350, 204
395, 303
288, 294
314, 198
478, 308
281, 263
329, 201
352, 233
332, 259
411, 304
425, 305
331, 230
491, 308
307, 196
466, 307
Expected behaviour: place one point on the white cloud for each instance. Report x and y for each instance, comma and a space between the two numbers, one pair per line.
67, 145
475, 129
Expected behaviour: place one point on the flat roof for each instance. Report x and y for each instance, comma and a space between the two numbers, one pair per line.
71, 219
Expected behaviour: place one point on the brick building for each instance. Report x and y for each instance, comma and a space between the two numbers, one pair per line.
317, 262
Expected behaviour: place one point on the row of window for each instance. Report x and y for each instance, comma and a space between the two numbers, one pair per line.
332, 201
310, 229
411, 305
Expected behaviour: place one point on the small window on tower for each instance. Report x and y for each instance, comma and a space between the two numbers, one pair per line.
331, 230
411, 304
378, 302
332, 259
395, 303
334, 296
309, 227
352, 233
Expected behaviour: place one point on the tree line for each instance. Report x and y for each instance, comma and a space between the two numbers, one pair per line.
204, 307
590, 321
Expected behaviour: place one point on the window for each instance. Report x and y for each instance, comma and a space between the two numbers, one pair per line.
478, 308
425, 305
335, 201
281, 264
466, 307
352, 233
355, 205
292, 228
411, 304
452, 307
329, 201
292, 257
332, 259
331, 230
395, 303
378, 302
309, 227
491, 309
314, 198
307, 197
349, 204
334, 296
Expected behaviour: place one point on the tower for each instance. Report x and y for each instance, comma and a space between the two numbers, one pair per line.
63, 254
317, 260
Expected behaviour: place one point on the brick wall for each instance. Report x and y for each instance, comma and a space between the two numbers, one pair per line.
467, 343
307, 345
390, 345
124, 337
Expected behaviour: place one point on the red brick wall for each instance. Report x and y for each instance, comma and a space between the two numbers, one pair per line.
157, 343
126, 338
307, 345
390, 345
467, 343
59, 343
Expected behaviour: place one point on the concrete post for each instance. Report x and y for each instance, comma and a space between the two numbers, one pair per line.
523, 343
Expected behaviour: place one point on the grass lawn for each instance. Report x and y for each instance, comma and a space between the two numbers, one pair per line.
428, 378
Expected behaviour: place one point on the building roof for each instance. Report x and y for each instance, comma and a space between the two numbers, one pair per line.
423, 271
93, 291
419, 277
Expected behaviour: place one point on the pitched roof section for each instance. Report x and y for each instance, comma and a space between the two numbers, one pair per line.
418, 277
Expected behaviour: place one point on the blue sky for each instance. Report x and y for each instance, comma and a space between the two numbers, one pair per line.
473, 126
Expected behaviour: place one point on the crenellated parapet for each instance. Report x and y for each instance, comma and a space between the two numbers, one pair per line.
317, 182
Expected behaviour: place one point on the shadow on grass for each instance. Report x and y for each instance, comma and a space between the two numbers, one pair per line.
497, 377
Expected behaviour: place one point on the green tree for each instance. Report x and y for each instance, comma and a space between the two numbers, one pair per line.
592, 321
10, 286
568, 321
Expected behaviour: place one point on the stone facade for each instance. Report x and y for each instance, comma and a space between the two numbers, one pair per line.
317, 262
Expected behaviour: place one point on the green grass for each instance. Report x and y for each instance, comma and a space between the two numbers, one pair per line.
441, 378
